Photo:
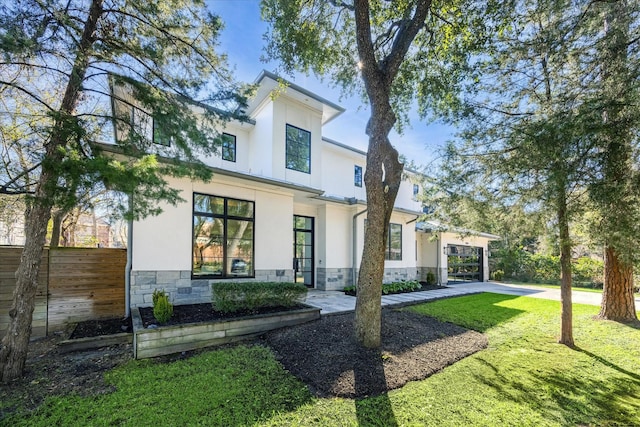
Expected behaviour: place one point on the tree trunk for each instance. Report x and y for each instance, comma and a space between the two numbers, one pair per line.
56, 229
382, 179
617, 296
13, 350
566, 327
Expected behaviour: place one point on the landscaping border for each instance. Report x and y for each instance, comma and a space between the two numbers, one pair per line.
191, 336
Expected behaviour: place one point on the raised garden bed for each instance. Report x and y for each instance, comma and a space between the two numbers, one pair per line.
98, 333
176, 337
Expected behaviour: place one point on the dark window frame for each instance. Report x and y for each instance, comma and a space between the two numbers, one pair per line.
225, 216
388, 248
158, 136
290, 151
416, 190
226, 146
357, 175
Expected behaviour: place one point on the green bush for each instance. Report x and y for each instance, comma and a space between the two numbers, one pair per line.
431, 278
162, 308
589, 270
229, 297
498, 275
391, 288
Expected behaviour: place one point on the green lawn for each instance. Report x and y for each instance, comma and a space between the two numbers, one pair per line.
524, 378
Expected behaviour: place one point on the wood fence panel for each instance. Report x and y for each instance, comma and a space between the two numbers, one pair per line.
85, 284
9, 261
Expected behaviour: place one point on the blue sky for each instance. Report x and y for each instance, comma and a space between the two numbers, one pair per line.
242, 41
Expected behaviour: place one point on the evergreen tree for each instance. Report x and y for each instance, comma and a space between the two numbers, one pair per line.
58, 58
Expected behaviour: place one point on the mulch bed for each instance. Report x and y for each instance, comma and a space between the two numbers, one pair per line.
96, 328
325, 355
193, 313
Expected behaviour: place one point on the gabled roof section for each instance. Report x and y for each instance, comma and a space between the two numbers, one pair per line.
268, 82
434, 227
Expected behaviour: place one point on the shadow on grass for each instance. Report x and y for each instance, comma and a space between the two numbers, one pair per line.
369, 378
570, 397
608, 364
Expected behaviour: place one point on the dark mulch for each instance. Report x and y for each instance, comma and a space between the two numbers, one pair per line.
96, 328
424, 287
325, 356
193, 313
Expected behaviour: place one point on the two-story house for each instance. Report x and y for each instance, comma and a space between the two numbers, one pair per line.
284, 204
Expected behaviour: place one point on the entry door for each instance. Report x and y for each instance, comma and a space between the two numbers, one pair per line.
303, 261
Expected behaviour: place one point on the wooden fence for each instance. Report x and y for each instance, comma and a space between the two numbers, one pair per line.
74, 284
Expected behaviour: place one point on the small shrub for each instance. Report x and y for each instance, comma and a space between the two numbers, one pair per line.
431, 278
229, 297
498, 275
162, 308
350, 290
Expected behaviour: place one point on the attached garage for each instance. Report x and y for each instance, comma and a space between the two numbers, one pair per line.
464, 263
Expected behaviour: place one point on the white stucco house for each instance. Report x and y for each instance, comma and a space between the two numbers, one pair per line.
286, 204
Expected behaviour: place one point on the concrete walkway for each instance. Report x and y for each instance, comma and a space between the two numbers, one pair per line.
331, 302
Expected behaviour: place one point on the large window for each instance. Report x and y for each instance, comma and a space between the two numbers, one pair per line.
357, 176
298, 149
393, 251
222, 237
228, 147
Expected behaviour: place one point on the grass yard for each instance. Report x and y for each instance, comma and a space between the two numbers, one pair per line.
523, 378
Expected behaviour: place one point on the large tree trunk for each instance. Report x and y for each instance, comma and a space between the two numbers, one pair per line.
382, 179
617, 296
566, 327
13, 352
384, 170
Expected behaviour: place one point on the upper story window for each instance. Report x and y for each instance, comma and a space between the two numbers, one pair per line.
159, 136
223, 237
357, 176
298, 149
393, 251
416, 190
228, 147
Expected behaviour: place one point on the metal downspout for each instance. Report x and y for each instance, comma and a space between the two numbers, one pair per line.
127, 270
354, 260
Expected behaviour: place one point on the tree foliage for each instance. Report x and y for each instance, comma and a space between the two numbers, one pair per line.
395, 55
58, 59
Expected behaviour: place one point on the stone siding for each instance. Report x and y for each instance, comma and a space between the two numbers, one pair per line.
182, 289
333, 279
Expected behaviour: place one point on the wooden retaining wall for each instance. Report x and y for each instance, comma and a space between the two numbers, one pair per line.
75, 284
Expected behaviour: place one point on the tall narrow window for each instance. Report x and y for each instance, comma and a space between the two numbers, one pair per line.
393, 251
416, 190
228, 147
298, 149
159, 135
223, 237
357, 175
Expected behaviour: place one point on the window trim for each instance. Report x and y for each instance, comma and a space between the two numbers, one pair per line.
387, 250
225, 141
357, 175
155, 129
286, 149
225, 216
416, 190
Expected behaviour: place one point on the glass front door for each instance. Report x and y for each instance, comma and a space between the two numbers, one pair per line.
303, 261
